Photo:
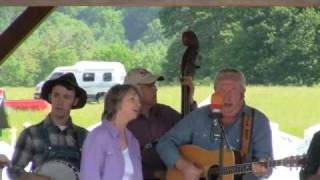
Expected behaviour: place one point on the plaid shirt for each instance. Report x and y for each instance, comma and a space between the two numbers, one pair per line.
31, 144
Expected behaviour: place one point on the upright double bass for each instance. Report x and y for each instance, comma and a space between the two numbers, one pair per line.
188, 68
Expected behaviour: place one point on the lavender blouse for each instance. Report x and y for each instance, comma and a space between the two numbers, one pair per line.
102, 157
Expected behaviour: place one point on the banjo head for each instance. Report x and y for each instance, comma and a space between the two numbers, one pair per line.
58, 170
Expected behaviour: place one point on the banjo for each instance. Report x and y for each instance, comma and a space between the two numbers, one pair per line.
4, 161
58, 170
54, 169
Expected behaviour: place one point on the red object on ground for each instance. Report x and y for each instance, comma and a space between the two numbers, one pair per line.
27, 104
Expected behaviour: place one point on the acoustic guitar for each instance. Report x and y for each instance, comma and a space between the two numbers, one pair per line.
209, 160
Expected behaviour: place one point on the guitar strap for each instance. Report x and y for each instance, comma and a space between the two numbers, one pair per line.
247, 125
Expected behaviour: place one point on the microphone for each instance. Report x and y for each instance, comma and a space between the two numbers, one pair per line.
216, 106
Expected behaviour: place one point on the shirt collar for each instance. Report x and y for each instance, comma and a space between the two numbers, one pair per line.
48, 122
114, 131
239, 116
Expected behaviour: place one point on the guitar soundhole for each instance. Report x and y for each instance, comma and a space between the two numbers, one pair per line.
213, 177
213, 173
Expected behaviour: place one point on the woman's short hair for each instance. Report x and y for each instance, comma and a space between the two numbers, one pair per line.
113, 99
230, 73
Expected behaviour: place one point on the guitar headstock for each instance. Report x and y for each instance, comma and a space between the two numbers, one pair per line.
294, 161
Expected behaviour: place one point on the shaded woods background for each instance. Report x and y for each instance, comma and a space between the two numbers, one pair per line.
276, 46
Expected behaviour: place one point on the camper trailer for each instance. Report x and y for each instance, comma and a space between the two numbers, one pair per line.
96, 77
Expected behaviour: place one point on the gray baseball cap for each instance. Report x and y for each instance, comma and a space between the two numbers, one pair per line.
141, 76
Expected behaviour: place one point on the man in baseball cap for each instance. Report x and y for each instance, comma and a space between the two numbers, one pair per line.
154, 120
141, 76
146, 83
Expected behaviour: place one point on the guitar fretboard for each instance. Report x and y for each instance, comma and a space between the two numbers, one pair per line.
247, 167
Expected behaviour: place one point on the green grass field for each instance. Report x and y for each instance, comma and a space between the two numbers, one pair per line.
293, 108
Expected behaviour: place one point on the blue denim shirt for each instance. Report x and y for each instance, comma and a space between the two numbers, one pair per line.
102, 157
196, 127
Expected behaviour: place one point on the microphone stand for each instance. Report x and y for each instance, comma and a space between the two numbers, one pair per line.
223, 140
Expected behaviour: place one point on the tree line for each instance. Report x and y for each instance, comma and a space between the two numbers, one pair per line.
274, 46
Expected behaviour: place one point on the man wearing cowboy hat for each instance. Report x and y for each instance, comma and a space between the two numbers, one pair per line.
56, 137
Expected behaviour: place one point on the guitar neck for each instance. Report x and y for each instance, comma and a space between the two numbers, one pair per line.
246, 167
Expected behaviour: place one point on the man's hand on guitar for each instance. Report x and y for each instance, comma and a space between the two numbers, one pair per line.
259, 169
190, 170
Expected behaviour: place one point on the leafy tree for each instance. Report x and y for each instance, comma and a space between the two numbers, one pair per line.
136, 21
115, 52
271, 45
8, 14
22, 66
63, 42
105, 23
154, 33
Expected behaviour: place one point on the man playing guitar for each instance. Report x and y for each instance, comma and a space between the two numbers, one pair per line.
54, 138
198, 128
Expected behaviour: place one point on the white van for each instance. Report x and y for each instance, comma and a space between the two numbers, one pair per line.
96, 77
